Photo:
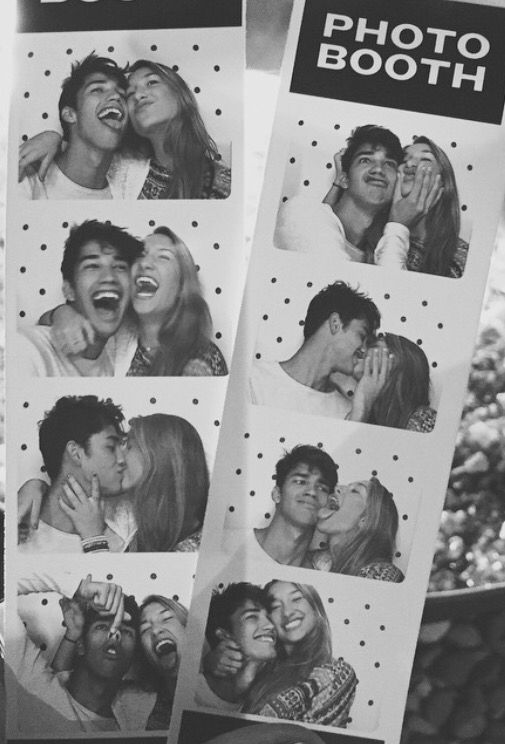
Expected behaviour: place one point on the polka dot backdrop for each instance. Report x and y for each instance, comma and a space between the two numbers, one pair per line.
205, 58
358, 455
360, 632
193, 399
36, 242
406, 309
167, 575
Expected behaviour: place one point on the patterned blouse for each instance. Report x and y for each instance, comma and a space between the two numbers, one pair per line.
416, 254
324, 697
423, 419
209, 362
216, 182
378, 570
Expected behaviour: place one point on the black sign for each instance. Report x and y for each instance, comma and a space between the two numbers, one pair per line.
109, 15
434, 56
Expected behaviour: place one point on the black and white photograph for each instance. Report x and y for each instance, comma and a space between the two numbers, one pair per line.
99, 299
341, 358
131, 119
95, 649
99, 473
387, 203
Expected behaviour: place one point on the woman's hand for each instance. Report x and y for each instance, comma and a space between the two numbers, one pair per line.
73, 617
378, 366
30, 497
424, 194
225, 660
41, 148
86, 513
71, 332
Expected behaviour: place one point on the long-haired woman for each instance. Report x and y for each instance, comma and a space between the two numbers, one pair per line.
163, 623
173, 319
359, 524
305, 683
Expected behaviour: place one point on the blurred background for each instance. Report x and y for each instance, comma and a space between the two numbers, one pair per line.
457, 691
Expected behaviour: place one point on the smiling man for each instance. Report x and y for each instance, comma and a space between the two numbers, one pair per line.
93, 116
80, 438
335, 228
339, 322
237, 614
304, 481
96, 282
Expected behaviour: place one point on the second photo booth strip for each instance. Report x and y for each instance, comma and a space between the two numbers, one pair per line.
125, 265
379, 208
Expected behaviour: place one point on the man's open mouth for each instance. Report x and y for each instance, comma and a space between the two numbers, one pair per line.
146, 286
113, 116
267, 636
106, 299
164, 647
111, 651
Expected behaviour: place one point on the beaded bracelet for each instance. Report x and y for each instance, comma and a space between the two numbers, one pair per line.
95, 544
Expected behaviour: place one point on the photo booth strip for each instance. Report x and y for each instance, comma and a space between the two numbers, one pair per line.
438, 313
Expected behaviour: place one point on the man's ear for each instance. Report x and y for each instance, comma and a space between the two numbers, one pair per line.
335, 323
222, 634
74, 451
68, 291
276, 494
79, 647
69, 115
342, 181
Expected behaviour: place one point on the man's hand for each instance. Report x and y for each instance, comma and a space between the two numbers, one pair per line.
378, 365
43, 148
225, 660
85, 512
73, 617
424, 194
71, 332
104, 597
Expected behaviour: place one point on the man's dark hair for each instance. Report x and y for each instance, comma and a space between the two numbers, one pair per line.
74, 418
225, 602
130, 606
313, 457
375, 136
103, 233
349, 303
79, 72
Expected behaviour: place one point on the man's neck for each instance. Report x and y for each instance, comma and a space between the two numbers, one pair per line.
85, 165
234, 688
354, 217
309, 365
284, 542
51, 512
92, 692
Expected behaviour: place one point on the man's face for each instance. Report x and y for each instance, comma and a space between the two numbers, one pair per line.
101, 287
109, 658
254, 632
371, 178
349, 344
100, 116
104, 456
304, 491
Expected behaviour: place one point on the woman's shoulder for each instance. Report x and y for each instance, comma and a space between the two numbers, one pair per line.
458, 262
209, 362
382, 571
423, 419
217, 180
190, 544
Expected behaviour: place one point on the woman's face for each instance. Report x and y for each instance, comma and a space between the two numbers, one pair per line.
359, 367
134, 460
156, 277
344, 510
291, 613
152, 103
416, 156
161, 636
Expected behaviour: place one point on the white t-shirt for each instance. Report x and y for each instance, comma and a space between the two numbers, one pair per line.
309, 226
39, 357
271, 386
57, 185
